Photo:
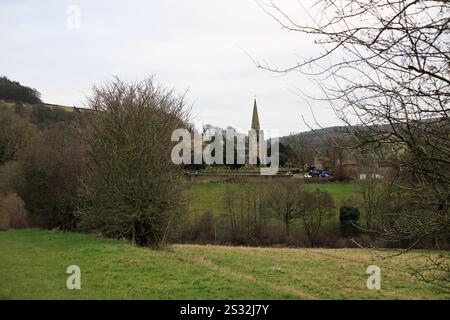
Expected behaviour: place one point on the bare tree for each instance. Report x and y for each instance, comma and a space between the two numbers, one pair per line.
301, 150
313, 209
130, 187
245, 213
51, 165
230, 198
289, 201
15, 133
385, 69
282, 201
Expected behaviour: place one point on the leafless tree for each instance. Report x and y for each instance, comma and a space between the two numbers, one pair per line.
50, 168
130, 187
385, 69
245, 213
15, 133
302, 152
289, 201
229, 205
314, 208
282, 200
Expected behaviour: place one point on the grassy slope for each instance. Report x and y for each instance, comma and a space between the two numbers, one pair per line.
33, 265
12, 105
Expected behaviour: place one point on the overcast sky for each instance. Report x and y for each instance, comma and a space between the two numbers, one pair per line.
205, 46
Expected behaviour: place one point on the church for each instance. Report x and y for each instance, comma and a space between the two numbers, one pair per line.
255, 118
254, 135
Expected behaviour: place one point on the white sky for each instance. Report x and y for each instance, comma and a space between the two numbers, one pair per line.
198, 45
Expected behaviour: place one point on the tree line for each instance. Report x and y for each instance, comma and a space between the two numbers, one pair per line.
14, 91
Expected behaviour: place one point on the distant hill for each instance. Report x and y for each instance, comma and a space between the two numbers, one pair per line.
317, 139
26, 101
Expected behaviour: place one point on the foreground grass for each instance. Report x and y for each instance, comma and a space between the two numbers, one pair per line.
33, 265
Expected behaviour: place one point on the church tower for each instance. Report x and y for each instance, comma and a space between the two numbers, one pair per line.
255, 118
254, 136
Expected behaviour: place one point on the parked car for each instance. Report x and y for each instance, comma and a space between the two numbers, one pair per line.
307, 175
314, 173
325, 174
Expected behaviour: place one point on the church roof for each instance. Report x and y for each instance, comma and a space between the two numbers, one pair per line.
255, 118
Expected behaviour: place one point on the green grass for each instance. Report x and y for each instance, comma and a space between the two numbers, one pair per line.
205, 197
33, 265
339, 191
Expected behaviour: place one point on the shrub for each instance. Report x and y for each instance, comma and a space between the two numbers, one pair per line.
12, 213
51, 167
349, 218
15, 132
130, 187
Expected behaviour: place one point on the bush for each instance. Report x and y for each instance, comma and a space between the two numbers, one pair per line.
349, 218
204, 229
12, 213
130, 187
45, 116
51, 167
15, 132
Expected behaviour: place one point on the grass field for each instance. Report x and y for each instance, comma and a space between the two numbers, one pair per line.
205, 197
33, 266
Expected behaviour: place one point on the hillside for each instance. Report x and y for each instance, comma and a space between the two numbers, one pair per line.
42, 114
33, 266
13, 104
318, 139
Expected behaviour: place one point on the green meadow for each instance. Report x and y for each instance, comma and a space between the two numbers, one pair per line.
204, 197
33, 265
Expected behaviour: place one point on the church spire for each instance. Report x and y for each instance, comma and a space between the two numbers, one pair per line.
255, 118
